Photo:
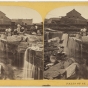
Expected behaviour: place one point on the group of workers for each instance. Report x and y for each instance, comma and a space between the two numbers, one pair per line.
35, 30
16, 31
21, 30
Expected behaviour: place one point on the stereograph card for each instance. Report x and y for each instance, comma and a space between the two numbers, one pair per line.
43, 43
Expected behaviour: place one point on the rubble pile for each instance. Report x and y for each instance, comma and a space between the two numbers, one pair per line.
69, 62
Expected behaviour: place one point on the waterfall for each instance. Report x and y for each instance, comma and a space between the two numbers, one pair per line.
28, 67
2, 48
65, 42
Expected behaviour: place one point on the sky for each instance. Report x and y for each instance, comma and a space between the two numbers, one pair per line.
17, 12
63, 10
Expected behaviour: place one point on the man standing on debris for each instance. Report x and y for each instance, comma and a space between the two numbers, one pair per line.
36, 28
83, 32
18, 28
8, 31
15, 31
33, 29
22, 30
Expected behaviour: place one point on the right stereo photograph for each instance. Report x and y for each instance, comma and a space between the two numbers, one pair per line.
66, 44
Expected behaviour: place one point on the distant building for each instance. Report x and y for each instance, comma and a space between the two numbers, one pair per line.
22, 21
51, 20
72, 21
5, 22
73, 18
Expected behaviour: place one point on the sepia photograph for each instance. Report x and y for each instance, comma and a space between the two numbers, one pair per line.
21, 43
66, 43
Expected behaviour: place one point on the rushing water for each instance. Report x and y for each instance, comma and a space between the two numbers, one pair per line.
28, 67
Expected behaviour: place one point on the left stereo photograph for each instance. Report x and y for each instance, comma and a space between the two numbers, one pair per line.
21, 44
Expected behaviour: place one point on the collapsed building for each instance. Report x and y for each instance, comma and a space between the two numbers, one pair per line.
73, 21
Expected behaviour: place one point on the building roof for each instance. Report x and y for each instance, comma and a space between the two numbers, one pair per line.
74, 17
73, 12
4, 20
2, 13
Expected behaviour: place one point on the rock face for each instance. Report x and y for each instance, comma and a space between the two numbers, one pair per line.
13, 48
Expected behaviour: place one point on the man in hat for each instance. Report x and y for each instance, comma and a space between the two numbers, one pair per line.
18, 28
32, 29
15, 32
22, 30
36, 28
8, 31
83, 31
